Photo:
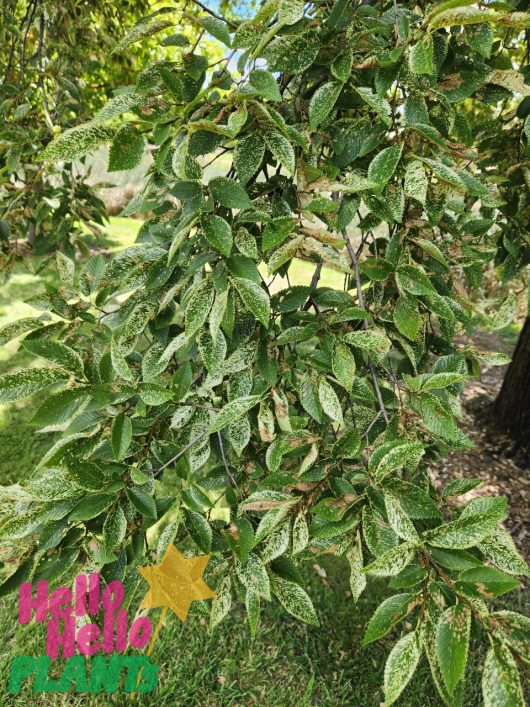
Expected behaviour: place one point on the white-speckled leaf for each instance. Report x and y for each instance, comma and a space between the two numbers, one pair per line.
501, 684
329, 401
300, 534
354, 556
15, 386
400, 666
221, 602
295, 600
253, 575
254, 297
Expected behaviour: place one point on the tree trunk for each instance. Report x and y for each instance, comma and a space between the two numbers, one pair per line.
512, 407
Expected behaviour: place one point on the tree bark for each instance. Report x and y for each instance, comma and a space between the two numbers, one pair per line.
512, 406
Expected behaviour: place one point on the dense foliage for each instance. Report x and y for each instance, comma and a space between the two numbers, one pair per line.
268, 426
54, 71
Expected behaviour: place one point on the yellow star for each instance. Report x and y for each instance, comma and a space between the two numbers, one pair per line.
176, 582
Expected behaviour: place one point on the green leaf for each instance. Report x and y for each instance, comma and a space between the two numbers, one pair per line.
59, 408
380, 105
504, 314
445, 173
114, 527
421, 56
354, 555
500, 549
276, 543
222, 601
407, 318
384, 164
401, 665
452, 643
218, 233
416, 181
343, 365
399, 520
281, 149
265, 84
322, 102
284, 253
413, 279
233, 411
389, 613
432, 249
85, 474
255, 299
294, 600
199, 529
434, 381
369, 340
348, 446
217, 28
229, 193
290, 11
57, 352
121, 435
393, 455
127, 149
253, 575
15, 386
488, 582
308, 393
458, 487
13, 329
462, 532
76, 142
300, 534
143, 29
329, 401
252, 605
501, 684
248, 156
119, 363
198, 306
142, 501
392, 561
342, 65
91, 507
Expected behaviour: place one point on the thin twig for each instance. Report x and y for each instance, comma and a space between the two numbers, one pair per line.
312, 286
40, 80
212, 13
179, 454
355, 264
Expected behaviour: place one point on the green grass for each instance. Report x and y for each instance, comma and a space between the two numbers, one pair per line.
287, 663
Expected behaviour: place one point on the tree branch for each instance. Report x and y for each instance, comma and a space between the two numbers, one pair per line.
212, 13
312, 286
355, 264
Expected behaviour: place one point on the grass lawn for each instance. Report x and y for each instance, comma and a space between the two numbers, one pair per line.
287, 663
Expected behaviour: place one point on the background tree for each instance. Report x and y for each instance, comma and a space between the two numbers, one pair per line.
269, 428
512, 149
55, 69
